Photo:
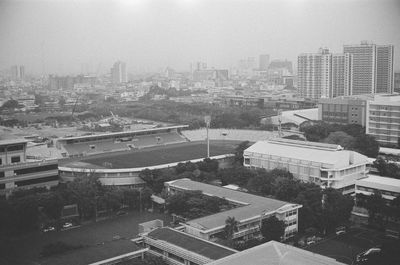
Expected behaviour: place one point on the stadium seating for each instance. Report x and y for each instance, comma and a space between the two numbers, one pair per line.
112, 145
228, 134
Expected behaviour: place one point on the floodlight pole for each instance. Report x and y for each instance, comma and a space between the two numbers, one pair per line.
207, 119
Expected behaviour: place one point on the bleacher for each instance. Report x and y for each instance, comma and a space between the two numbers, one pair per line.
228, 134
78, 149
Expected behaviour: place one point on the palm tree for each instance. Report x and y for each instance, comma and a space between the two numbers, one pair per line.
231, 226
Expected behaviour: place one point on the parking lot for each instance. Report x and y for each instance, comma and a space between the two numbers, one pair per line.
345, 247
26, 249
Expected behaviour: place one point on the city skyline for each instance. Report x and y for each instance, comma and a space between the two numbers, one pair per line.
59, 37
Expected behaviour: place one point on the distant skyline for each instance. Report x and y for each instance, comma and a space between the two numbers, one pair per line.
67, 36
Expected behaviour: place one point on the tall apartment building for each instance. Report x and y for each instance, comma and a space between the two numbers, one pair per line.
16, 171
118, 73
383, 119
263, 62
18, 72
372, 68
396, 85
324, 75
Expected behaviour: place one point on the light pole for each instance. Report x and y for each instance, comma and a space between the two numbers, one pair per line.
207, 120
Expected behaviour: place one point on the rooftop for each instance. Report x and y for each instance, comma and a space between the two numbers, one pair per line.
275, 253
332, 156
379, 182
191, 243
252, 206
13, 141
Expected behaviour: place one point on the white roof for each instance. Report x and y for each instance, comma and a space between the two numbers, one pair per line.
275, 253
326, 154
379, 182
389, 151
297, 116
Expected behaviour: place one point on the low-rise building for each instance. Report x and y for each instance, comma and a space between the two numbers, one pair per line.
324, 164
388, 187
16, 171
180, 248
383, 119
276, 253
250, 210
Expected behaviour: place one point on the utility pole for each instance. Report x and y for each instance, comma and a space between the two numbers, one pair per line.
207, 120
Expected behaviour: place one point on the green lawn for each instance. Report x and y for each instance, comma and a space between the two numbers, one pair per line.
25, 249
162, 155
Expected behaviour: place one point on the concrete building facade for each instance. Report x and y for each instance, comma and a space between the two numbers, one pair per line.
326, 165
17, 172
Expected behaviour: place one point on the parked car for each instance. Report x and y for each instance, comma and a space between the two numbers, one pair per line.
364, 256
311, 241
341, 230
119, 213
48, 229
66, 225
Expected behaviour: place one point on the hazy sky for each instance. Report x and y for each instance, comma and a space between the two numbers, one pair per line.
149, 35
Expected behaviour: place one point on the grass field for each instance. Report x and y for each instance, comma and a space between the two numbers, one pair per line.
162, 154
95, 237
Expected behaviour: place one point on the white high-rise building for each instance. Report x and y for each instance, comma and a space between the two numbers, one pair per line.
118, 73
324, 75
372, 68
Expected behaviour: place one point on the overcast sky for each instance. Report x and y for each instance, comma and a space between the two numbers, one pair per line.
150, 34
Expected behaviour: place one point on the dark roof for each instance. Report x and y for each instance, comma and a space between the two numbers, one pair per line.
191, 243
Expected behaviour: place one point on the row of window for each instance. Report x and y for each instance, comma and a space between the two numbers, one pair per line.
11, 148
35, 169
290, 223
290, 213
383, 192
170, 255
36, 181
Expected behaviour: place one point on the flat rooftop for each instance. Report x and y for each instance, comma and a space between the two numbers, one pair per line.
379, 182
252, 206
329, 155
199, 246
12, 141
276, 253
153, 156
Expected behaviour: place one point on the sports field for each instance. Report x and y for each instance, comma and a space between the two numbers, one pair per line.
161, 154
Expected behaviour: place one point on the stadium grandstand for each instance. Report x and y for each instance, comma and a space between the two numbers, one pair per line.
229, 134
80, 146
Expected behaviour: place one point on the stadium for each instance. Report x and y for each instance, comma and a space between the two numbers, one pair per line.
118, 158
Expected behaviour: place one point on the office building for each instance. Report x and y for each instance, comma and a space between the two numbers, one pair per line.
372, 68
324, 75
383, 119
118, 73
250, 210
275, 253
17, 172
263, 62
343, 110
176, 247
326, 165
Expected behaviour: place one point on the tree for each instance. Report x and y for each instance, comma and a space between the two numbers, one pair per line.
231, 226
341, 138
272, 229
286, 189
366, 145
52, 203
10, 104
239, 152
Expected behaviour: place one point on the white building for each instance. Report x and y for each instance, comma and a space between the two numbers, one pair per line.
250, 210
118, 73
324, 75
372, 68
383, 119
388, 187
324, 164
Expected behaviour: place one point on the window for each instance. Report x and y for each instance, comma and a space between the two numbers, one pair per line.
35, 169
15, 147
247, 161
175, 257
15, 159
2, 186
35, 181
1, 161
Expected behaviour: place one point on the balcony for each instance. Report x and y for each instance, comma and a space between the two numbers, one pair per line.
246, 231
